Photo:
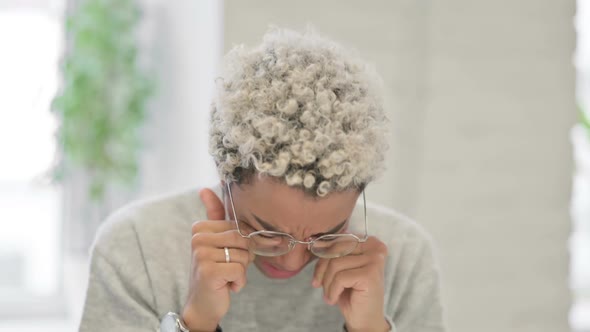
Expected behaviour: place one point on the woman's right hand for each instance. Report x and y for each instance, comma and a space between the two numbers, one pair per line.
211, 277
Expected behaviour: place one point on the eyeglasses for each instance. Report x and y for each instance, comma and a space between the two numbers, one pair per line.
271, 243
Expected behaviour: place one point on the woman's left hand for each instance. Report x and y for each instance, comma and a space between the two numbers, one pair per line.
355, 283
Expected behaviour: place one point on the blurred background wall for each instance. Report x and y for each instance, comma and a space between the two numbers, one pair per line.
481, 97
184, 44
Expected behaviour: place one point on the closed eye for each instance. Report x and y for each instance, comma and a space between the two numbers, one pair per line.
267, 236
327, 238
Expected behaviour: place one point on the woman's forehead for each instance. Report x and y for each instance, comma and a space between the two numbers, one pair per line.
286, 207
313, 227
269, 192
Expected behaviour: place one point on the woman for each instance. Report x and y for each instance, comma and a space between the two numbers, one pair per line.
297, 133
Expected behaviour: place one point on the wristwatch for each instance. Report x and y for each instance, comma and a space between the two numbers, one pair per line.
172, 322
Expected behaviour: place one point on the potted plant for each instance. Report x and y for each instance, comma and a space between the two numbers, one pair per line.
101, 108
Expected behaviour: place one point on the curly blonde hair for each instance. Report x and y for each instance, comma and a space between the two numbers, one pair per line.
301, 109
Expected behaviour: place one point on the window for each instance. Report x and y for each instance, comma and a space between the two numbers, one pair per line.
30, 282
580, 208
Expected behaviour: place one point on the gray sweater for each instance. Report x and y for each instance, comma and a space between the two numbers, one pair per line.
141, 258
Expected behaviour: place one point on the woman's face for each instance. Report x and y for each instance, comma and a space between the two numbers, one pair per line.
266, 204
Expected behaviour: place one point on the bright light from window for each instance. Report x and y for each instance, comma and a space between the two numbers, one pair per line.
29, 208
30, 43
580, 209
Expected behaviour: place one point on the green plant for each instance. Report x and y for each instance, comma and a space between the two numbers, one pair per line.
103, 100
584, 119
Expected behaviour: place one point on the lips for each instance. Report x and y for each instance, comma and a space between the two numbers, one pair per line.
277, 273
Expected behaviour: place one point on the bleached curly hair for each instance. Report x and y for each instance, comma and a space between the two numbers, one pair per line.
299, 108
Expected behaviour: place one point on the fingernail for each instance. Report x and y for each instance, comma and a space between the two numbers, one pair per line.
315, 283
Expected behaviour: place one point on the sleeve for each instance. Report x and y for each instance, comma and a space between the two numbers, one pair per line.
419, 307
119, 296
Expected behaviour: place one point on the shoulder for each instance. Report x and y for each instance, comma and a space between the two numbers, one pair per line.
411, 251
148, 243
138, 261
157, 222
412, 273
395, 228
154, 231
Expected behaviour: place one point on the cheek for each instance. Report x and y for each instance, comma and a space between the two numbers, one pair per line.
261, 259
264, 259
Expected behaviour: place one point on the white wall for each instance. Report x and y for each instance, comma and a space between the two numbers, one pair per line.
580, 206
185, 38
496, 177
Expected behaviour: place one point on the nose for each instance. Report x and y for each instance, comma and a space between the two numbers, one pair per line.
295, 259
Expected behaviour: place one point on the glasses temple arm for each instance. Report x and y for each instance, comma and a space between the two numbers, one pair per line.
365, 210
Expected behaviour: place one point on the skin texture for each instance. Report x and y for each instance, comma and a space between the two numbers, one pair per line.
354, 283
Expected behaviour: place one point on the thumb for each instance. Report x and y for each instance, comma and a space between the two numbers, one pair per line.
213, 205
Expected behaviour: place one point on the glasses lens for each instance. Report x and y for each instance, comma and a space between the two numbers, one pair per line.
332, 246
269, 244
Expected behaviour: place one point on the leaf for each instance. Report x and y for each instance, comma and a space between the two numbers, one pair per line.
102, 104
584, 119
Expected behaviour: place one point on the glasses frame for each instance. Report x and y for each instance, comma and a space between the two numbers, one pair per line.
293, 241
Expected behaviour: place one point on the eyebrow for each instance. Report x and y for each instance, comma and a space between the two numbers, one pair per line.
270, 227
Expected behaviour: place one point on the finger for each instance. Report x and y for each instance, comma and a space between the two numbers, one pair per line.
203, 254
212, 226
213, 205
337, 265
230, 239
243, 255
318, 273
220, 274
355, 279
322, 265
238, 280
370, 246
